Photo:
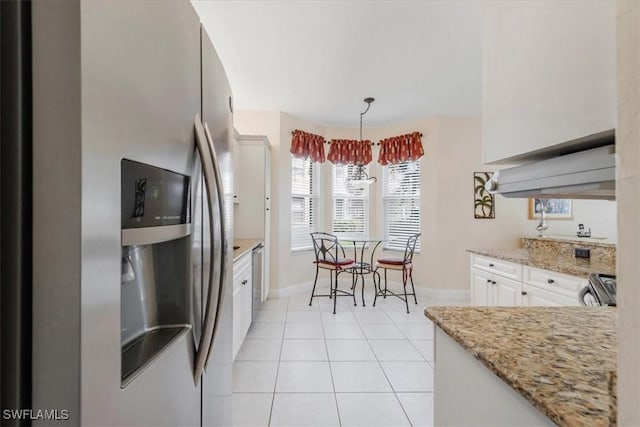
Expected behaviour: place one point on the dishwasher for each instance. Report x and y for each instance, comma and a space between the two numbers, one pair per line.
257, 279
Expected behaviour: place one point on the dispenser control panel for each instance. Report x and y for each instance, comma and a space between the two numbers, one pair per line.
152, 196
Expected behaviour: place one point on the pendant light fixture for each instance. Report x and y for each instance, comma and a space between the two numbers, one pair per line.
360, 177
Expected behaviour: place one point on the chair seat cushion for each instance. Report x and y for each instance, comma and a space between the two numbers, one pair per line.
399, 267
391, 260
339, 261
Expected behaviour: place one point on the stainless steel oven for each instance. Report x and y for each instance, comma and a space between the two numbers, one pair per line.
600, 290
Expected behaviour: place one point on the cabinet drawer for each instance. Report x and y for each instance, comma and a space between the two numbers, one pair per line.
241, 264
243, 278
507, 269
533, 296
553, 281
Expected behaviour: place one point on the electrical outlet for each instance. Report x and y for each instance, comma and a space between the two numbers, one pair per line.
582, 253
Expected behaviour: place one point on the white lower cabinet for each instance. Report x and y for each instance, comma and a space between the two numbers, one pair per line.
493, 290
536, 297
502, 283
242, 300
507, 292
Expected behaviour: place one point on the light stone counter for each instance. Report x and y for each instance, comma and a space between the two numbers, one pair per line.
561, 263
561, 359
245, 245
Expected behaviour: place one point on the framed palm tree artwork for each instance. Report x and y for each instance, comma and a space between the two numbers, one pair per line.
484, 202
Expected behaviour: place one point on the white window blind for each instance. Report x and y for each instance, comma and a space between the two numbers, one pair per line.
350, 204
401, 204
304, 203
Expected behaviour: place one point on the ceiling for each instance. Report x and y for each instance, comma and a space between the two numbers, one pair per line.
318, 60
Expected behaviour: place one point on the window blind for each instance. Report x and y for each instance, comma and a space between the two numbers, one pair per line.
350, 204
401, 204
304, 203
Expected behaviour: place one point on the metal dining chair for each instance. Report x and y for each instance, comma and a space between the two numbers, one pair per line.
404, 264
328, 251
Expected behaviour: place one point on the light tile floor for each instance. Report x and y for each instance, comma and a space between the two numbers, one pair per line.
364, 366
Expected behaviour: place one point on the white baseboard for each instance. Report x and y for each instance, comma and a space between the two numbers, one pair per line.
297, 289
421, 291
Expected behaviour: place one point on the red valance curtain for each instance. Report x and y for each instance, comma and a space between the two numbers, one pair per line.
305, 144
400, 149
350, 151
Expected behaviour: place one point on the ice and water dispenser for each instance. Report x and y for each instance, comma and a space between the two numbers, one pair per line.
156, 263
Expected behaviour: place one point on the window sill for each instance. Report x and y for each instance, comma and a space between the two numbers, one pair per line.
301, 251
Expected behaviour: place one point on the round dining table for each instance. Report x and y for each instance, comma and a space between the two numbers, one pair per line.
362, 267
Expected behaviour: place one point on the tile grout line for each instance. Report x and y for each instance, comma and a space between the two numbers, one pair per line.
333, 385
395, 394
275, 384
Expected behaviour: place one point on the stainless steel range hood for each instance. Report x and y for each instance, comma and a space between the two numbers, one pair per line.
589, 174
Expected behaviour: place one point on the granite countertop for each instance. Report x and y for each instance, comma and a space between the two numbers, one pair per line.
245, 245
591, 241
551, 261
561, 359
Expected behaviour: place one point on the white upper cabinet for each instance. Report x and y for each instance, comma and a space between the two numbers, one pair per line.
549, 74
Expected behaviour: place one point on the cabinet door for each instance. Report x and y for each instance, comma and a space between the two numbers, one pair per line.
538, 297
481, 288
246, 295
506, 292
237, 319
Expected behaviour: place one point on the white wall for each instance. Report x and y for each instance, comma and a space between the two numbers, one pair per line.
287, 269
453, 151
266, 123
628, 196
599, 215
548, 73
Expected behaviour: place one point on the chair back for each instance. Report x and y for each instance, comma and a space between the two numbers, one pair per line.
410, 248
326, 247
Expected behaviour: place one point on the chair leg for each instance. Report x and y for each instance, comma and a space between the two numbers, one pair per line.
354, 292
354, 283
412, 287
330, 284
315, 282
384, 295
335, 291
404, 286
375, 286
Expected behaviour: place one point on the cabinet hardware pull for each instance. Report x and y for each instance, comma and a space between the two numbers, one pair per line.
493, 282
550, 281
523, 293
488, 280
244, 282
490, 265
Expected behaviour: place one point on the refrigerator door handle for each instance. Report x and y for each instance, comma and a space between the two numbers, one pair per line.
210, 178
223, 234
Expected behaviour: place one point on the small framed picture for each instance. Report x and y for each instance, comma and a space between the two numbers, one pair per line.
556, 208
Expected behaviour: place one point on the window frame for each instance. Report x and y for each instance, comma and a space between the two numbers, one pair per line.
347, 197
314, 199
415, 198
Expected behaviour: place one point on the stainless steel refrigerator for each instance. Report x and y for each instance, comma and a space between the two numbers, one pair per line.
92, 90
